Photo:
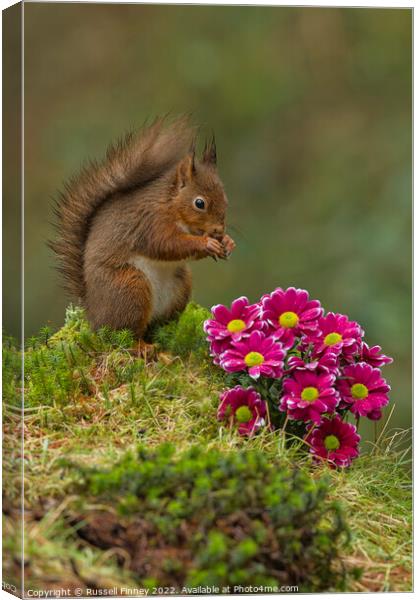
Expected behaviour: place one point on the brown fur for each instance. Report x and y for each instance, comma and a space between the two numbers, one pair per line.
138, 204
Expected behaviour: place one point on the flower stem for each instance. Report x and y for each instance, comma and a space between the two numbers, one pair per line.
268, 414
308, 432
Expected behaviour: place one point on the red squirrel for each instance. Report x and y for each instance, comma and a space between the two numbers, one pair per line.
127, 225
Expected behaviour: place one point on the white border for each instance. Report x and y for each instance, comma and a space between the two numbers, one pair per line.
408, 4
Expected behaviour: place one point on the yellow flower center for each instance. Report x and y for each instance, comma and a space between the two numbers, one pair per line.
236, 325
309, 394
253, 359
243, 414
331, 442
359, 391
332, 338
288, 319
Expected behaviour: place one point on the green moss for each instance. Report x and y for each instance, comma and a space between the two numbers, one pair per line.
185, 335
62, 366
237, 517
12, 371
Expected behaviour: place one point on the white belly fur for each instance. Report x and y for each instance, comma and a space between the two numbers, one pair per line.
163, 282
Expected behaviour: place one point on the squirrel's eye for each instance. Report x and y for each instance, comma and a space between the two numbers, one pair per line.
199, 203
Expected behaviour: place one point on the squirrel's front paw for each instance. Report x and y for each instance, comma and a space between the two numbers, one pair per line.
215, 248
229, 244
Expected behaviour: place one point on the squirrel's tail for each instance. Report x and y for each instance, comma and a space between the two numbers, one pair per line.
132, 162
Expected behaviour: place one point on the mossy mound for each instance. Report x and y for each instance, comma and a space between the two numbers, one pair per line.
216, 519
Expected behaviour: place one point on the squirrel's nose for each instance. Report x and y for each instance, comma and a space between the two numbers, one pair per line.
217, 231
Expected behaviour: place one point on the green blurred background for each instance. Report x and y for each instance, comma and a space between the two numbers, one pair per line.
312, 114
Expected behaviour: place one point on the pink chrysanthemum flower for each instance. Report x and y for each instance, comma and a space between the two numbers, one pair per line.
376, 414
290, 313
334, 441
243, 406
325, 362
335, 333
217, 347
364, 390
257, 354
373, 356
307, 395
234, 323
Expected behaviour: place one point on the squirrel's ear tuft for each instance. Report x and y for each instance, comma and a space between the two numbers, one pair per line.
185, 170
210, 152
